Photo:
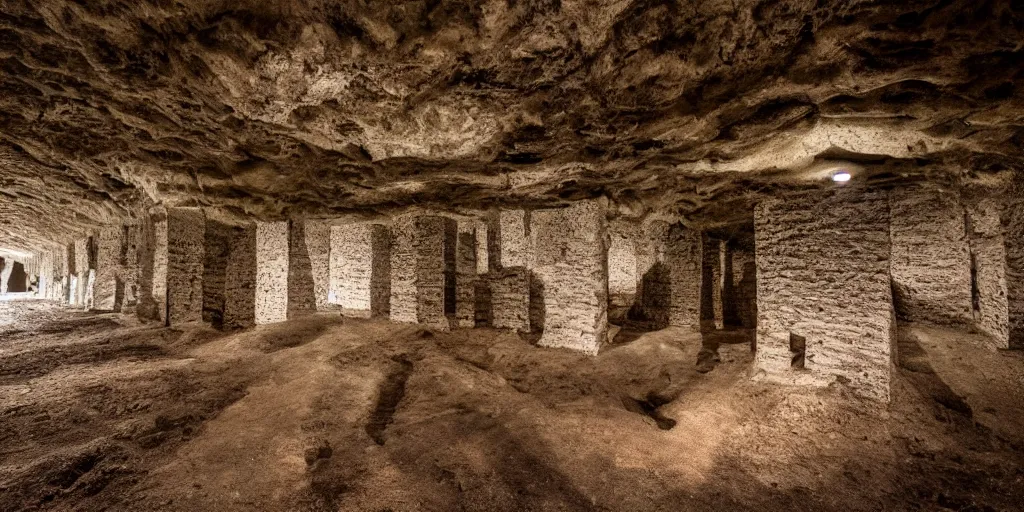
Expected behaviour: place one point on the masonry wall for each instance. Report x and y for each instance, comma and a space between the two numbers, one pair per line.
271, 272
988, 255
403, 270
683, 253
309, 267
465, 274
240, 278
508, 238
571, 261
622, 263
711, 279
823, 275
153, 283
217, 248
360, 268
1013, 228
931, 263
185, 254
434, 269
510, 300
653, 288
109, 242
744, 279
128, 286
82, 268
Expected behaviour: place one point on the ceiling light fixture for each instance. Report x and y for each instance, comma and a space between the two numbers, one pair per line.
841, 177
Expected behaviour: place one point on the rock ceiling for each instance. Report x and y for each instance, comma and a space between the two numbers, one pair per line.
319, 107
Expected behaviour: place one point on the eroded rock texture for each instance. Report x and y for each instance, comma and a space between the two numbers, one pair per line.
823, 292
278, 108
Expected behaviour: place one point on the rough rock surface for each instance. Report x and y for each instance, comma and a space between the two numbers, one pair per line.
988, 252
823, 281
931, 271
286, 107
571, 262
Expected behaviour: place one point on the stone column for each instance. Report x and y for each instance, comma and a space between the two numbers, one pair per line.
256, 275
824, 301
109, 243
622, 263
571, 261
422, 270
360, 269
931, 263
512, 302
683, 252
309, 267
186, 228
5, 274
217, 240
465, 274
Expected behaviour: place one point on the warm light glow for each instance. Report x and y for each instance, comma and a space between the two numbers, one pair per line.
841, 177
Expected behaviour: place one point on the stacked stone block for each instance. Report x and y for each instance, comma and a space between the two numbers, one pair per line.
240, 278
823, 284
271, 272
510, 300
109, 250
683, 254
217, 241
465, 274
1013, 221
571, 262
360, 269
622, 263
186, 229
930, 266
422, 265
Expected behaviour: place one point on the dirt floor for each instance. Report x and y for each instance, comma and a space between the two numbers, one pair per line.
99, 412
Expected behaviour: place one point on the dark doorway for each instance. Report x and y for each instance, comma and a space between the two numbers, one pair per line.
18, 281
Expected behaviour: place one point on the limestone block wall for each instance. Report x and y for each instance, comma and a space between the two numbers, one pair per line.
1013, 222
482, 257
931, 264
683, 252
823, 281
509, 290
109, 248
435, 268
423, 270
403, 270
240, 278
360, 269
153, 281
309, 267
744, 279
131, 270
653, 294
82, 268
571, 261
711, 283
186, 228
5, 274
217, 241
508, 239
465, 274
271, 272
622, 262
988, 256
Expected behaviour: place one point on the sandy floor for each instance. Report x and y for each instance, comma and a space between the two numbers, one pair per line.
100, 412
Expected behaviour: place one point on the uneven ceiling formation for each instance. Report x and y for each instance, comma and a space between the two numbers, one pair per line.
317, 107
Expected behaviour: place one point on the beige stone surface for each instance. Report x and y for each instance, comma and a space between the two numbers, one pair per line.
823, 274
